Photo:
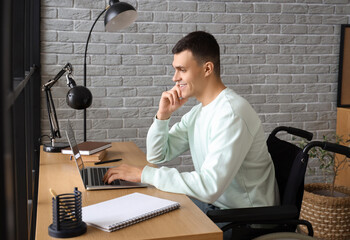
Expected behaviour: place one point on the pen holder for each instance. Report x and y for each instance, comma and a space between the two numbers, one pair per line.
67, 215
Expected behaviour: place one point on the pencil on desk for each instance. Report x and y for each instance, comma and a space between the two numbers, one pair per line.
53, 193
67, 210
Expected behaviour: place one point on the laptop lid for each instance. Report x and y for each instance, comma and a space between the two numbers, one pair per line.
74, 146
84, 172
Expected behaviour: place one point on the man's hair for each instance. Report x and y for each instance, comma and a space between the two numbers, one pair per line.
203, 46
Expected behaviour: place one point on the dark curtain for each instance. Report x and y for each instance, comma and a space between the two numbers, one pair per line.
19, 116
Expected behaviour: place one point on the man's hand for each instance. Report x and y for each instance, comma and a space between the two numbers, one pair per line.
124, 172
169, 102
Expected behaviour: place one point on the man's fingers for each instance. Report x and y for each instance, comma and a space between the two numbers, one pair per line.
111, 179
176, 94
172, 96
178, 91
169, 97
175, 97
124, 172
170, 101
112, 173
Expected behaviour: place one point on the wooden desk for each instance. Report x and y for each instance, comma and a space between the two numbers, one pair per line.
59, 173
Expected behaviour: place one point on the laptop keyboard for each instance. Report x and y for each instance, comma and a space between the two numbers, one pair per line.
97, 176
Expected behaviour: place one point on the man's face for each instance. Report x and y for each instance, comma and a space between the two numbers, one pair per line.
189, 74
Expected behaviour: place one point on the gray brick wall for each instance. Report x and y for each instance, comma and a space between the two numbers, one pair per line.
281, 55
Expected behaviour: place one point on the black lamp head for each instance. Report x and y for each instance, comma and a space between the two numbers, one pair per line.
79, 97
119, 15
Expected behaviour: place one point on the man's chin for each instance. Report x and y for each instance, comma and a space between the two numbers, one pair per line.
183, 96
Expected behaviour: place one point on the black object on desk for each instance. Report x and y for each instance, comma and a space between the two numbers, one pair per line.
108, 161
78, 97
67, 216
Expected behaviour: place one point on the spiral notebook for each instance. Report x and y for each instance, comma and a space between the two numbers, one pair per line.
124, 211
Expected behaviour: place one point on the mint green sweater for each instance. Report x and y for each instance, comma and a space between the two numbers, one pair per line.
233, 168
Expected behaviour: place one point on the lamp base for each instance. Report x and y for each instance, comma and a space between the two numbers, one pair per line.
57, 148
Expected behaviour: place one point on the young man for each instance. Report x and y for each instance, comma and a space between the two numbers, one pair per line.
233, 168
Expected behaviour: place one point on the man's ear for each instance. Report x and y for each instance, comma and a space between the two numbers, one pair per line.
208, 68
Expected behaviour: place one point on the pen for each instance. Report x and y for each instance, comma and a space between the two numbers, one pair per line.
108, 161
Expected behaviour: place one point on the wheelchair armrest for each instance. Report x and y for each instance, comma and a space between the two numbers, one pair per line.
333, 147
254, 215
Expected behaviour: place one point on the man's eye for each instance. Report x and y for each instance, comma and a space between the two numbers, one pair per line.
183, 70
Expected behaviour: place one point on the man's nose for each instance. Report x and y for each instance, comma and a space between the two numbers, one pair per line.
176, 77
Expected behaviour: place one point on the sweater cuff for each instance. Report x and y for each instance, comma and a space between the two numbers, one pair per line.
148, 174
160, 124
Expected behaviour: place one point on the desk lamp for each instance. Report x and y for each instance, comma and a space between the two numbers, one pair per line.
119, 15
78, 97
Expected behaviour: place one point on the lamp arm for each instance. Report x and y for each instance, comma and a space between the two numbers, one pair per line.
51, 111
67, 68
86, 48
87, 42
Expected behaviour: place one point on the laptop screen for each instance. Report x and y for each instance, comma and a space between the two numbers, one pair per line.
74, 146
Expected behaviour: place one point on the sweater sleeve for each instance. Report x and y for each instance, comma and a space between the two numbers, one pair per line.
229, 142
164, 145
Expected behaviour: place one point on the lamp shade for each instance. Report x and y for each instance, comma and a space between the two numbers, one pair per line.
79, 97
119, 15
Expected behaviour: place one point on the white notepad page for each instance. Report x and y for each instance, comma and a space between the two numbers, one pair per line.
124, 211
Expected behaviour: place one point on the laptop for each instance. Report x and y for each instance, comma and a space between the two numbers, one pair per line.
92, 176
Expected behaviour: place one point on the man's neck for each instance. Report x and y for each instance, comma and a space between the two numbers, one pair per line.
212, 90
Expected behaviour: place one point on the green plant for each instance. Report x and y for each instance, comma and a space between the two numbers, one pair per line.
330, 163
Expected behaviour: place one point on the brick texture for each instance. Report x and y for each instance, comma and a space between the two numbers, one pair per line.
282, 56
